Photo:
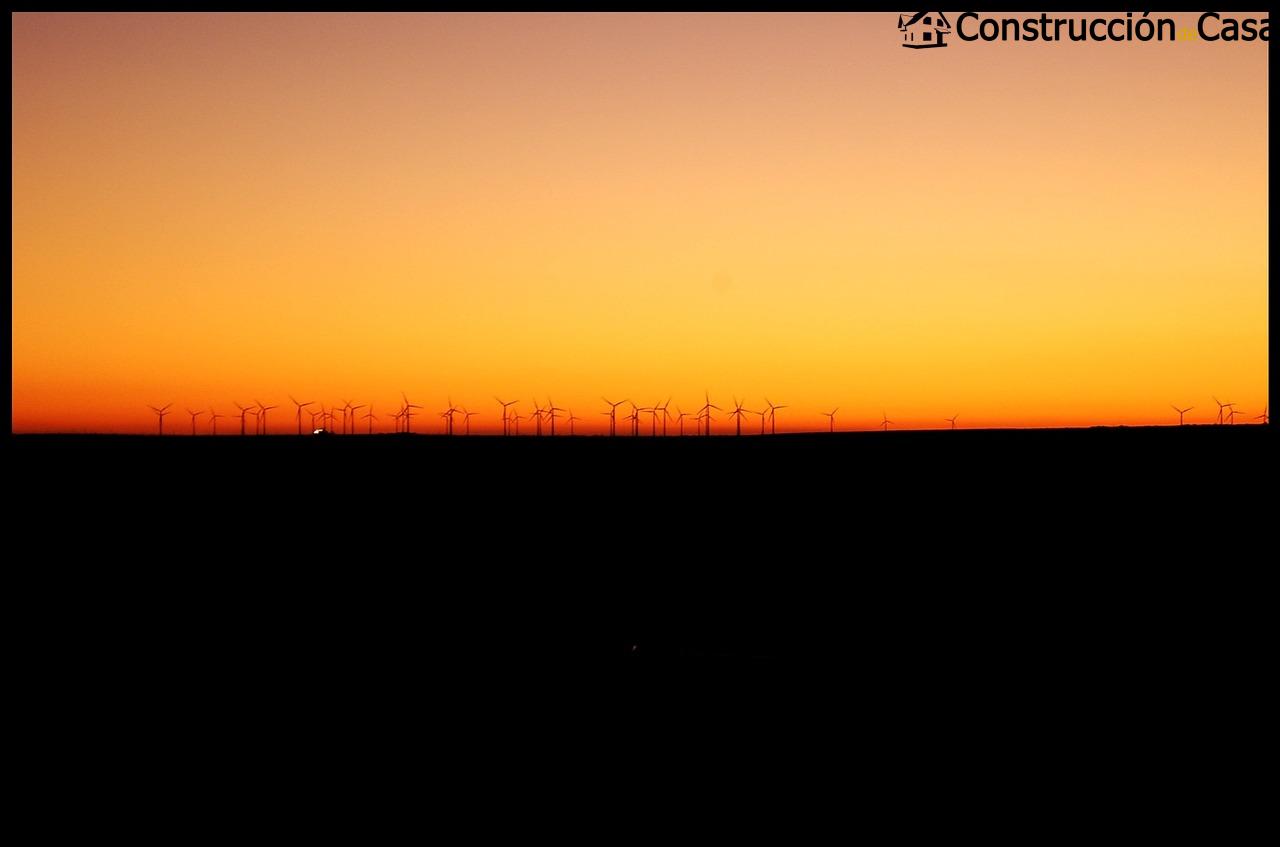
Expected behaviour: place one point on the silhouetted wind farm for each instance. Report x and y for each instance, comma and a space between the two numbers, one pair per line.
343, 418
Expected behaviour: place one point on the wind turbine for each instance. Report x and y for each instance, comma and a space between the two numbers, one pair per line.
572, 417
448, 414
408, 413
1180, 412
952, 419
213, 419
161, 412
666, 416
884, 424
537, 418
194, 415
737, 413
506, 422
314, 415
301, 406
613, 410
680, 416
636, 413
243, 412
347, 410
262, 416
516, 418
370, 417
763, 414
354, 419
832, 416
653, 412
773, 416
1231, 416
1262, 417
705, 411
246, 410
1221, 406
552, 408
466, 420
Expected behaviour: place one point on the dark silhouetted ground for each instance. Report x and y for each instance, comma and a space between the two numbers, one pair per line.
890, 555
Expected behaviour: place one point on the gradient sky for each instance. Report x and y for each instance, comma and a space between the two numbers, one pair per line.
211, 208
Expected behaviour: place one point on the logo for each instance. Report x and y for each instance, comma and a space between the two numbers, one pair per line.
924, 29
921, 30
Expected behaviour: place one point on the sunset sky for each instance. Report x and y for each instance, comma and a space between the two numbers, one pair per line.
211, 208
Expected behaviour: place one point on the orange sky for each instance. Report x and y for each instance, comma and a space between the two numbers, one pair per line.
215, 208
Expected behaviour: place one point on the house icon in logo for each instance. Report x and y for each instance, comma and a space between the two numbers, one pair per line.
924, 29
